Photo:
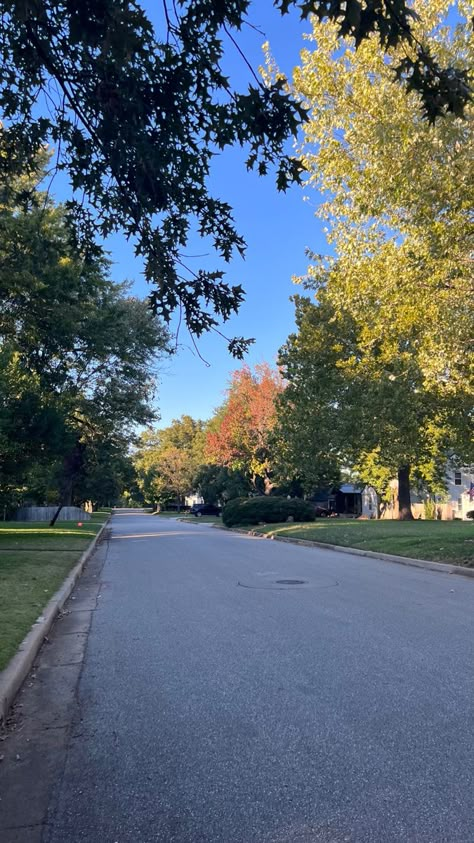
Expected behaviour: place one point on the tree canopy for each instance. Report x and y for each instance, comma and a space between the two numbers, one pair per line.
239, 435
217, 483
136, 113
78, 358
347, 408
168, 459
229, 455
383, 359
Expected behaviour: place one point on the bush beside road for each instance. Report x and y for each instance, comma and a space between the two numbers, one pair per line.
265, 508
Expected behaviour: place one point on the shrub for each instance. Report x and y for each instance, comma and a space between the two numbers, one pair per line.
470, 514
429, 507
267, 509
231, 510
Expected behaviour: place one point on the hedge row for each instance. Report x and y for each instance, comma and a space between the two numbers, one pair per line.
267, 509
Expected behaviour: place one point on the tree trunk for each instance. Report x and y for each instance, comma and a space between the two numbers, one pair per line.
268, 485
378, 505
404, 497
56, 515
72, 465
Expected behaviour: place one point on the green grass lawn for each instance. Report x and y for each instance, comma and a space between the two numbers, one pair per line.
439, 541
101, 515
34, 560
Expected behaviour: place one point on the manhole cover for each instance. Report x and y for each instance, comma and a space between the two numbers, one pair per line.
290, 582
267, 582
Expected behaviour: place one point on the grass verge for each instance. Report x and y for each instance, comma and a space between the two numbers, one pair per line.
437, 541
34, 561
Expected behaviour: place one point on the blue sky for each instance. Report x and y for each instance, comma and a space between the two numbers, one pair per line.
276, 227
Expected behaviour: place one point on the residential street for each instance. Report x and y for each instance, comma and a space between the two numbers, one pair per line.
216, 705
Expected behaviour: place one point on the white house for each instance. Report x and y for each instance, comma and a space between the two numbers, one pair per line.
369, 502
455, 503
460, 490
190, 500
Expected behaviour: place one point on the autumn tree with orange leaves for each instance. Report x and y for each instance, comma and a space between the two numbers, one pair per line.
239, 435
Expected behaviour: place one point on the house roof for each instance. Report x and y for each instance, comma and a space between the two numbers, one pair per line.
322, 495
350, 489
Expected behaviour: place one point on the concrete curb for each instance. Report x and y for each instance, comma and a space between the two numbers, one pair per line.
372, 554
15, 673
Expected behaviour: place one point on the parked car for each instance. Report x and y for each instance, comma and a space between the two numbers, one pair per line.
199, 509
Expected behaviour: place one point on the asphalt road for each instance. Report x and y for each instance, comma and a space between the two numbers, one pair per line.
219, 706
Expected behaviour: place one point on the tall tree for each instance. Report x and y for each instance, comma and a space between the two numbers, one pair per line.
344, 407
167, 460
365, 146
110, 386
395, 300
136, 116
107, 473
217, 483
239, 436
32, 428
77, 352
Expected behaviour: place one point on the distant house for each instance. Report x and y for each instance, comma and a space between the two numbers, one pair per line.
460, 486
356, 500
190, 500
455, 503
369, 502
350, 499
